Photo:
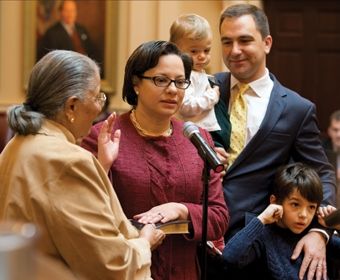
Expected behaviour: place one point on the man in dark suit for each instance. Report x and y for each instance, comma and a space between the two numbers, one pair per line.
67, 34
332, 146
281, 126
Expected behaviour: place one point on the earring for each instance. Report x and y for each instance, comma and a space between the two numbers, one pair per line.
137, 92
72, 119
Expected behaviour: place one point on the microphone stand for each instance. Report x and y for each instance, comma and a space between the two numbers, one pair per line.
205, 179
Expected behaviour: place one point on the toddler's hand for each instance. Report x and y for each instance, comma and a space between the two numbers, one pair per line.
217, 90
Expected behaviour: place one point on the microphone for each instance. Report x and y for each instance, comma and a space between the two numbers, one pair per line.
192, 132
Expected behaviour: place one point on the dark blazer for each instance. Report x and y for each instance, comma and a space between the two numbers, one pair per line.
288, 132
56, 37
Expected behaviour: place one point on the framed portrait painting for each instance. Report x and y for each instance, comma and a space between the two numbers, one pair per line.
47, 27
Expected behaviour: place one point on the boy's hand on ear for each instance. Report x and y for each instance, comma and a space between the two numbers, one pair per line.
271, 214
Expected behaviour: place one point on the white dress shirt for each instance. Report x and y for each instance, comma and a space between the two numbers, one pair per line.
257, 97
68, 27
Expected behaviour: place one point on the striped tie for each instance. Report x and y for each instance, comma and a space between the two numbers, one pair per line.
238, 119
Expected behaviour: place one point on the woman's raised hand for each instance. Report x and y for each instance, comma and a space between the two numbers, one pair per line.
108, 144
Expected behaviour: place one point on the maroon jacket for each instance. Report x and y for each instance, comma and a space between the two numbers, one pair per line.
152, 171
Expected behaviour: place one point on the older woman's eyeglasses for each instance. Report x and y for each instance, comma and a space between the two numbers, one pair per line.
162, 81
101, 98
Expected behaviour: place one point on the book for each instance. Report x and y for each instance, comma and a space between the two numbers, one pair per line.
172, 227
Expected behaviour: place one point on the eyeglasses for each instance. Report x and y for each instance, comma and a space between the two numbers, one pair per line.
101, 98
162, 81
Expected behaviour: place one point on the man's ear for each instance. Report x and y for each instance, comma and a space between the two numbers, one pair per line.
268, 41
272, 199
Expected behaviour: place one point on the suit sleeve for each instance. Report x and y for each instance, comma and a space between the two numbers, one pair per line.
308, 149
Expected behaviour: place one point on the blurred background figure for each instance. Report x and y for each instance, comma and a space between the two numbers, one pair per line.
67, 34
332, 147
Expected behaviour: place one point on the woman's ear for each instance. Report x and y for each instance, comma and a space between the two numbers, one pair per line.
272, 199
135, 80
70, 107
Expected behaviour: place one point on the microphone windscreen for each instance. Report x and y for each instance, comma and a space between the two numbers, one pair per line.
189, 128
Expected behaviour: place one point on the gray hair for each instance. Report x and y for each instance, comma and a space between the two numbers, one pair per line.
57, 76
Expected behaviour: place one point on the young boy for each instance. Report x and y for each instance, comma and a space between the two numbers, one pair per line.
192, 34
272, 236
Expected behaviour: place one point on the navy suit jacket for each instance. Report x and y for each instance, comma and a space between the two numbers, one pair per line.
288, 132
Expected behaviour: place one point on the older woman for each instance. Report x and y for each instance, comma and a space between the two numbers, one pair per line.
157, 174
48, 180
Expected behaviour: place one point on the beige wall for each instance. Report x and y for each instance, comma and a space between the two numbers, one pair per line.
130, 23
11, 57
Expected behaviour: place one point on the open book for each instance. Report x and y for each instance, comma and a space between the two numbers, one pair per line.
172, 227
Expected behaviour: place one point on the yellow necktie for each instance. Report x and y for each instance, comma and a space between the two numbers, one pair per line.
238, 119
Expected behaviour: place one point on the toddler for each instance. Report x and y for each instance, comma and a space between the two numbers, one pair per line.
192, 34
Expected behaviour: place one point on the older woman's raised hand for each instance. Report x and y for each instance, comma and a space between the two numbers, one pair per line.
108, 145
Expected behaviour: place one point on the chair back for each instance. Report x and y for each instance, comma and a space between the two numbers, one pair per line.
5, 132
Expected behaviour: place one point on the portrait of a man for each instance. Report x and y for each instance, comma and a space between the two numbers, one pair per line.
65, 25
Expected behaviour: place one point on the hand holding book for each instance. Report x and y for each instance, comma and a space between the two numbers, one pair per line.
153, 235
171, 227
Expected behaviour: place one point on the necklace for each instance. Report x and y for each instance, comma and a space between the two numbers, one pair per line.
143, 132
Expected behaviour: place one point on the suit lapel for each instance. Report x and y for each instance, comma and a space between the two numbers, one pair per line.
223, 79
274, 110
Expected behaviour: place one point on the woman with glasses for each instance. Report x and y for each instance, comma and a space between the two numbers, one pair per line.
157, 174
48, 180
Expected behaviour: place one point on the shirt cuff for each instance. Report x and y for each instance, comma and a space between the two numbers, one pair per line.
321, 231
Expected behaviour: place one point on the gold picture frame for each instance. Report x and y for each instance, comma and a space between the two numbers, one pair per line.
110, 48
